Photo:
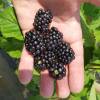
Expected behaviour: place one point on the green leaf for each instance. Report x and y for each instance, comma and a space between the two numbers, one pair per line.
4, 4
15, 53
88, 54
12, 46
9, 25
97, 52
95, 24
38, 97
97, 35
91, 12
11, 39
89, 38
92, 93
98, 96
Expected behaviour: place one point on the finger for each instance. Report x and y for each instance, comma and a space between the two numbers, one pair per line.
46, 84
76, 68
62, 87
25, 67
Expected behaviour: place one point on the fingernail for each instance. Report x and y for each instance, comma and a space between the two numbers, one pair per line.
25, 76
63, 95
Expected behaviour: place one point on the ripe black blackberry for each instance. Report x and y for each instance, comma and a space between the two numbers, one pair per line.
57, 71
40, 63
42, 20
65, 53
34, 43
53, 39
45, 60
49, 57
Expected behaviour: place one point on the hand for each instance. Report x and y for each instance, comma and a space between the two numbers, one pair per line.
67, 20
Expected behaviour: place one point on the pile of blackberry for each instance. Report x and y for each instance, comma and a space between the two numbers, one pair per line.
47, 46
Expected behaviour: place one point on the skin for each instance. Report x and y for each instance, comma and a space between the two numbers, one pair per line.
67, 20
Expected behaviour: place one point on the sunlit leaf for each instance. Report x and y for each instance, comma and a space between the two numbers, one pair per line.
12, 46
92, 93
9, 25
98, 96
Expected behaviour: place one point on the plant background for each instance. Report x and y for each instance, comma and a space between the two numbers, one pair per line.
11, 41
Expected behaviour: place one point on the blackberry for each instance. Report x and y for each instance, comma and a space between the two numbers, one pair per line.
40, 63
53, 38
49, 58
45, 60
65, 53
42, 20
57, 71
34, 42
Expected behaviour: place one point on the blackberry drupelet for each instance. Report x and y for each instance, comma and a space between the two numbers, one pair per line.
57, 71
65, 53
42, 20
34, 43
53, 39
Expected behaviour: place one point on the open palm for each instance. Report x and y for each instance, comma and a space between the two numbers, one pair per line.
67, 20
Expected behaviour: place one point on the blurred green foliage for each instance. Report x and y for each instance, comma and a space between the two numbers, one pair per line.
11, 40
